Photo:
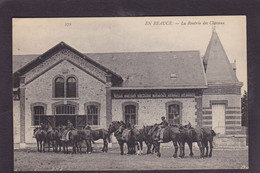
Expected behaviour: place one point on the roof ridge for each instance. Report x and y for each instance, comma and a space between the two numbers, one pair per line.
216, 54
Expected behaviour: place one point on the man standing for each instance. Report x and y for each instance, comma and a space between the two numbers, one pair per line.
162, 126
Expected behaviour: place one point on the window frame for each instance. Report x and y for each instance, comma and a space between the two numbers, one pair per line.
33, 105
98, 105
130, 103
180, 110
65, 78
54, 105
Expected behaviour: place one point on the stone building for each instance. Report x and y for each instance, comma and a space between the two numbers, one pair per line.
139, 87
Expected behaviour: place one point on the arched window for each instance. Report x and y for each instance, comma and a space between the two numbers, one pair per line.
130, 112
37, 112
59, 87
174, 112
65, 109
71, 87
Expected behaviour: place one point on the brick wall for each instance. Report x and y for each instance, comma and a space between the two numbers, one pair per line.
40, 90
233, 112
150, 111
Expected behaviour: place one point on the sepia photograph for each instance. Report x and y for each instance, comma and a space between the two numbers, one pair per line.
130, 93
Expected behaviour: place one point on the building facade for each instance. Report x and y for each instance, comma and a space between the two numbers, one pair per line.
139, 87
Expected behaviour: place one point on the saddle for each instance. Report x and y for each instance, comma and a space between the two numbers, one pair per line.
65, 135
125, 134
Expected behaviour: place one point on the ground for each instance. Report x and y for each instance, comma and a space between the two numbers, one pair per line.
31, 160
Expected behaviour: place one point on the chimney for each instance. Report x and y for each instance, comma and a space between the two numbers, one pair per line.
234, 67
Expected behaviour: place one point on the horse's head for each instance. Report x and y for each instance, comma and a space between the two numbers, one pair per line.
35, 130
114, 126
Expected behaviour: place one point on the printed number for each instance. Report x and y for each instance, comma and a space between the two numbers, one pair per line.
67, 24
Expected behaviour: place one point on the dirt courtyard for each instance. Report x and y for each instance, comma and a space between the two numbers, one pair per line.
31, 160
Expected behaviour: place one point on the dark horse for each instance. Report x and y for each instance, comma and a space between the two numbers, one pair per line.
73, 139
101, 134
171, 133
41, 138
53, 138
124, 136
147, 139
208, 135
85, 136
189, 135
207, 138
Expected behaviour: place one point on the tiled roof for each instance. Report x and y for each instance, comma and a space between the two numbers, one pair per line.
218, 67
180, 69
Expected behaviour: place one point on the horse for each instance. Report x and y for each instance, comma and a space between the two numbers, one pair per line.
72, 138
171, 133
147, 139
101, 134
124, 136
53, 138
189, 134
85, 135
41, 138
208, 135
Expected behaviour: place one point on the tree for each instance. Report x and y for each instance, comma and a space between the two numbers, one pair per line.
244, 109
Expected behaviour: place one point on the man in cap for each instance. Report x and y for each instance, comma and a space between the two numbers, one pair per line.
161, 126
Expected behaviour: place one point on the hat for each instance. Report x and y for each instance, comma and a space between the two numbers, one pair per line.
163, 117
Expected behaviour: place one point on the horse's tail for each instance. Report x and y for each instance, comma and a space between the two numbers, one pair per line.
213, 133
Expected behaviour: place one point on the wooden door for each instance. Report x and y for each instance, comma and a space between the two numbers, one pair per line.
218, 118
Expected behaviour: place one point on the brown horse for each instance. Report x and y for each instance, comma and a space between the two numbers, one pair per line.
85, 136
208, 135
189, 134
123, 136
147, 139
41, 138
73, 139
53, 138
101, 134
171, 133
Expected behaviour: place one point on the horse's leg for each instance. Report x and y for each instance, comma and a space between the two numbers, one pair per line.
43, 145
158, 149
141, 145
64, 150
38, 149
211, 148
80, 148
40, 143
190, 146
103, 149
207, 148
182, 146
201, 149
105, 145
138, 147
153, 149
148, 147
121, 148
176, 149
182, 149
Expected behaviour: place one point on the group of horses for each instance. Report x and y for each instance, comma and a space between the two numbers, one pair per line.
53, 137
177, 134
133, 137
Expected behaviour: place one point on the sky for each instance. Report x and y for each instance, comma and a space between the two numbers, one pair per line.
134, 34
